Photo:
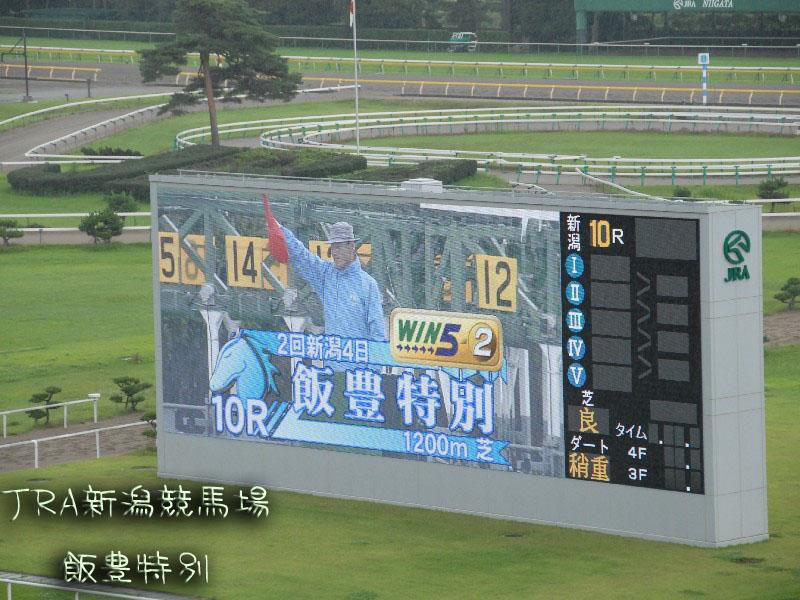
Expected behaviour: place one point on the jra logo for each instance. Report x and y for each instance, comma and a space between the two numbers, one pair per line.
737, 274
735, 248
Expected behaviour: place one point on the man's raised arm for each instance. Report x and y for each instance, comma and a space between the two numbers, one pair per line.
304, 262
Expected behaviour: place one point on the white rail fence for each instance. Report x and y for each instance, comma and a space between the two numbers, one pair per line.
99, 130
64, 215
331, 133
70, 106
47, 152
35, 442
40, 154
93, 398
87, 591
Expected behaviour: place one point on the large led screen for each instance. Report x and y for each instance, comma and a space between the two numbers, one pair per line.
528, 341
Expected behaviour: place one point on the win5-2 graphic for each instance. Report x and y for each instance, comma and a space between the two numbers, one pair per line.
446, 339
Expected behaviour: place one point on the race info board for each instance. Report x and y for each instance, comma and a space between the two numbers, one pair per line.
536, 357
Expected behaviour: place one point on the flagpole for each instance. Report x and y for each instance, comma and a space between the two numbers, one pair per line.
355, 71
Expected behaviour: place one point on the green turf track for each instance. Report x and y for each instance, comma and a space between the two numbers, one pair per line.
320, 548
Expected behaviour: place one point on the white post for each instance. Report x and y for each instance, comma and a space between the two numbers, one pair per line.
35, 454
8, 587
97, 442
65, 416
703, 59
705, 84
94, 398
213, 320
355, 72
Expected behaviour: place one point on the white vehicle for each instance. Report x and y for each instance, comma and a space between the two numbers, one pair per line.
463, 41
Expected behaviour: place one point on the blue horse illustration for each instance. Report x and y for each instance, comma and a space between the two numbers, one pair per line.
241, 362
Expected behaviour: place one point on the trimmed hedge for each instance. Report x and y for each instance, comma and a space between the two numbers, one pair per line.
138, 187
446, 171
323, 164
44, 180
131, 177
255, 160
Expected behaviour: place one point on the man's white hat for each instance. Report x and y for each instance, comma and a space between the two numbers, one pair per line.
341, 232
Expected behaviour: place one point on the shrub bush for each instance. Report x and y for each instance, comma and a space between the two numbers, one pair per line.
102, 226
109, 151
789, 292
681, 191
9, 231
120, 202
773, 188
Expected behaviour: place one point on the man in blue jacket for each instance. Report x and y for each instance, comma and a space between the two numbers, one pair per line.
350, 297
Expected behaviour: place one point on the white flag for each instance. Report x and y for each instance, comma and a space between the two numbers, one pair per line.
352, 12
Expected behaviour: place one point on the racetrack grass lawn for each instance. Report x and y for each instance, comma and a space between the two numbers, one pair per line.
605, 144
367, 50
781, 260
314, 547
75, 315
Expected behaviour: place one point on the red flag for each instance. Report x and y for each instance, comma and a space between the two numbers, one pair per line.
277, 243
352, 13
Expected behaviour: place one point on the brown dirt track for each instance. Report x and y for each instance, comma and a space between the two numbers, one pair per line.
119, 441
782, 328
